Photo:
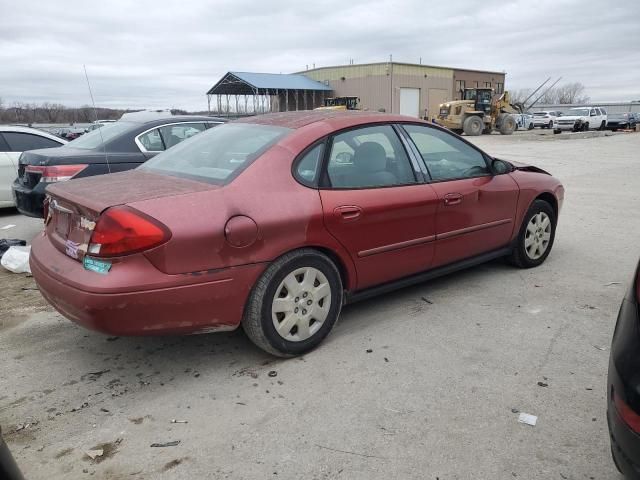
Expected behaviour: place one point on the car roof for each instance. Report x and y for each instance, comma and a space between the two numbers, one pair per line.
33, 131
175, 119
299, 119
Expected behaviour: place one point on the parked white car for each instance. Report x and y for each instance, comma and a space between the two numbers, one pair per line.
14, 141
546, 119
524, 121
581, 119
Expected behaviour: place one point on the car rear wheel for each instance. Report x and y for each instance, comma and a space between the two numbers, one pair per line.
536, 236
602, 125
294, 304
585, 127
550, 124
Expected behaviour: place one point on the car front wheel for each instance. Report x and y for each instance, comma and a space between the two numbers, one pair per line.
536, 236
294, 304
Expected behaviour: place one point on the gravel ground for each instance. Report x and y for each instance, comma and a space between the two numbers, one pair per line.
423, 383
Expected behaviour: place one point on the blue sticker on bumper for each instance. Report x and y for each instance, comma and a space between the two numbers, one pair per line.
99, 266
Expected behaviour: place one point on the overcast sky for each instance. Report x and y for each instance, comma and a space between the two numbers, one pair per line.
154, 54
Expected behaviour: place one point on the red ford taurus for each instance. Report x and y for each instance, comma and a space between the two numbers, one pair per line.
274, 222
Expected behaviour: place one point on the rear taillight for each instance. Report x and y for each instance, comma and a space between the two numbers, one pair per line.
124, 230
630, 417
55, 173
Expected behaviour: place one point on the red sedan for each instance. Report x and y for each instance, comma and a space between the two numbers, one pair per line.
276, 221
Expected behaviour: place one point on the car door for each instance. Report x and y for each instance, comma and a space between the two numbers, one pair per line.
8, 172
476, 209
376, 204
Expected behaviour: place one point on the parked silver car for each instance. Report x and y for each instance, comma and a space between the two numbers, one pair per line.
545, 119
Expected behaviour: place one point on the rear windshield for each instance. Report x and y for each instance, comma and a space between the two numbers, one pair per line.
94, 139
540, 114
215, 155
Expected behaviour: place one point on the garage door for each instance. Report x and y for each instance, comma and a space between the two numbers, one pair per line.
410, 102
436, 97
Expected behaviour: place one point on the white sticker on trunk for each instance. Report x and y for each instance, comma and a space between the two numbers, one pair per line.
87, 224
71, 248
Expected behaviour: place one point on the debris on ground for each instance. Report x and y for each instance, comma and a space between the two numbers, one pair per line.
599, 347
5, 243
7, 227
543, 384
426, 300
93, 454
369, 350
612, 283
16, 259
273, 373
528, 419
167, 444
173, 420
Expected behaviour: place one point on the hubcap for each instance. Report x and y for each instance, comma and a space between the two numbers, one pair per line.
301, 304
537, 236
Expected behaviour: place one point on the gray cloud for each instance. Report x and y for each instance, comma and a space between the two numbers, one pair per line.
155, 55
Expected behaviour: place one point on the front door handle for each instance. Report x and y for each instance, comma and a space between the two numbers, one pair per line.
348, 213
452, 199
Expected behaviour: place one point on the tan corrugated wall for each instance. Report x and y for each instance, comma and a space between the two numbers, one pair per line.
377, 86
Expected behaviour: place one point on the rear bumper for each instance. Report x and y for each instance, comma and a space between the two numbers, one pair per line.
29, 201
118, 303
623, 380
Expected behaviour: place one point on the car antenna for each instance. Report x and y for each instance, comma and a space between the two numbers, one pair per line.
95, 114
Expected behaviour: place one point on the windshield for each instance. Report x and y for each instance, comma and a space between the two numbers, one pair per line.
541, 114
95, 138
215, 155
579, 112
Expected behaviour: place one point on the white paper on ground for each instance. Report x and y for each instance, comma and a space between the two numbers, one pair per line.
528, 419
16, 259
7, 227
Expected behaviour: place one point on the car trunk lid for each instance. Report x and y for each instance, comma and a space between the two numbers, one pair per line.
74, 207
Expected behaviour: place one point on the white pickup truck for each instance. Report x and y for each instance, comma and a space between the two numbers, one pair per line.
581, 119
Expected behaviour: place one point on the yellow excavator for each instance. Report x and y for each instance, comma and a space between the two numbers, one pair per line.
341, 103
480, 111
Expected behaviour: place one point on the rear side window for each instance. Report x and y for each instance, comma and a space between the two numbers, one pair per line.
4, 146
308, 167
447, 157
152, 141
218, 154
21, 142
174, 134
369, 157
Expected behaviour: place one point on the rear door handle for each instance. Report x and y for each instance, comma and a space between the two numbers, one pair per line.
348, 213
452, 199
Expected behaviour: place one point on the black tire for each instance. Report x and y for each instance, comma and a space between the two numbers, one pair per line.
550, 125
519, 256
473, 126
257, 320
507, 124
530, 126
585, 127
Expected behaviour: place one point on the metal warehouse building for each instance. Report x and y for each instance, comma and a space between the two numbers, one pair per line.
405, 88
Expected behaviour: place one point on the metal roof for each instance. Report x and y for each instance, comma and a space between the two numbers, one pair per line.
247, 83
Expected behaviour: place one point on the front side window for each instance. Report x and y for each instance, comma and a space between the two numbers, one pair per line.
22, 142
447, 157
369, 157
216, 155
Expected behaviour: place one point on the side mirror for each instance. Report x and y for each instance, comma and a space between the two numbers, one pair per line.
500, 167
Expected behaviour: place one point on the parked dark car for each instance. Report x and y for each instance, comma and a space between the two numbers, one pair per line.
622, 121
275, 221
8, 467
115, 147
623, 385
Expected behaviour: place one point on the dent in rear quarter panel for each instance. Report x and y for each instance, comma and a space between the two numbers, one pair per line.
532, 185
288, 216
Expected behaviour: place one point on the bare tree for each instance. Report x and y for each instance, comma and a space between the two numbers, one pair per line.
520, 95
572, 93
52, 111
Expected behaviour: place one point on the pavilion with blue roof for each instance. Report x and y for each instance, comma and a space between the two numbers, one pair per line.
245, 93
